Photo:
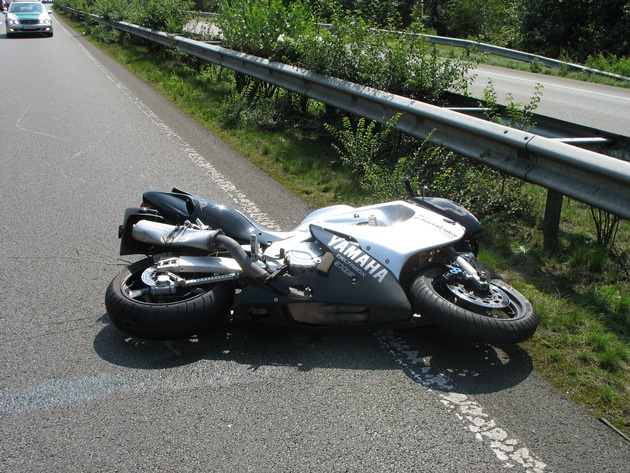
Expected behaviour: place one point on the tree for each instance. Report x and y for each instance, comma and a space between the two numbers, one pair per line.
475, 18
611, 30
576, 27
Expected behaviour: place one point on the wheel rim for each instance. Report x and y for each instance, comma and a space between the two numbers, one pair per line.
141, 287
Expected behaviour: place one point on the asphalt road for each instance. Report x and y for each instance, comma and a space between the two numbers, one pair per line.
80, 139
588, 104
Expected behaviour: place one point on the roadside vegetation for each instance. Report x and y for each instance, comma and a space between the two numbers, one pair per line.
580, 286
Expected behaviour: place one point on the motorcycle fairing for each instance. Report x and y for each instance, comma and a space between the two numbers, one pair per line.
344, 282
386, 301
402, 230
350, 277
451, 210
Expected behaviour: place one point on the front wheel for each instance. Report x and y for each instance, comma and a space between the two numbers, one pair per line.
500, 314
189, 311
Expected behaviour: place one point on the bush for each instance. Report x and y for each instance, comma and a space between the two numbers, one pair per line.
406, 65
111, 10
481, 19
82, 5
610, 63
348, 49
365, 150
254, 26
159, 15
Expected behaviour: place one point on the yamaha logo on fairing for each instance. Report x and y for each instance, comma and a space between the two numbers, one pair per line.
353, 259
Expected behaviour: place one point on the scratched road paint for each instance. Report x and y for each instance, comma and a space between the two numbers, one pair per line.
58, 393
219, 179
508, 450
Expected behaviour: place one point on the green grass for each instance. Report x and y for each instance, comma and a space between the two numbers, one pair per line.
582, 296
580, 292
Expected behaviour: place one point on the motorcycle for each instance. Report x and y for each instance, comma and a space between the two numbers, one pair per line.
407, 262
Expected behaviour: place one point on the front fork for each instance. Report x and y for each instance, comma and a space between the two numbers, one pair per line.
464, 268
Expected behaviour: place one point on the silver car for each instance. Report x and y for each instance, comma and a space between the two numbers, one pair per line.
28, 17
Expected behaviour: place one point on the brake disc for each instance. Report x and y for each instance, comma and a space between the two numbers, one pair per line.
149, 276
493, 298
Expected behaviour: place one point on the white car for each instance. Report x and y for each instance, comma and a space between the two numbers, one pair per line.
28, 17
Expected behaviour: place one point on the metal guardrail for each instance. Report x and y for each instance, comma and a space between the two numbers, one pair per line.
595, 179
519, 55
577, 135
506, 52
559, 130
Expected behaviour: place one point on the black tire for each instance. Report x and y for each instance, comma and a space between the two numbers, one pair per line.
515, 323
191, 312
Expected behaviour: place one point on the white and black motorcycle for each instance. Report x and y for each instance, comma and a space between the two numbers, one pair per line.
406, 262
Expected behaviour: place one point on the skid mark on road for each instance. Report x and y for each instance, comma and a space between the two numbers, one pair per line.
26, 110
510, 452
59, 393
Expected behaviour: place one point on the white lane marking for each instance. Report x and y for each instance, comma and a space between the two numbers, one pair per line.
509, 451
246, 205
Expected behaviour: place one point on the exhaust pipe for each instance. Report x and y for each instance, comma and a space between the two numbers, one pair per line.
161, 234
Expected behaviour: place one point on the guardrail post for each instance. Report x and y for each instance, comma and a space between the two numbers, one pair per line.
551, 223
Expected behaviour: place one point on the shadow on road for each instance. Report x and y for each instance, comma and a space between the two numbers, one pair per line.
440, 360
428, 355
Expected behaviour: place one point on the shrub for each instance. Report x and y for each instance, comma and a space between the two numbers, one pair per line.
365, 150
159, 15
518, 115
111, 10
254, 26
347, 49
610, 63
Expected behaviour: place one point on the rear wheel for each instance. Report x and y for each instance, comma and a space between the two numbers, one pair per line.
188, 311
499, 314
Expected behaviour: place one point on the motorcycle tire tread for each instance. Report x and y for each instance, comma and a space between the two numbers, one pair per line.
427, 301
